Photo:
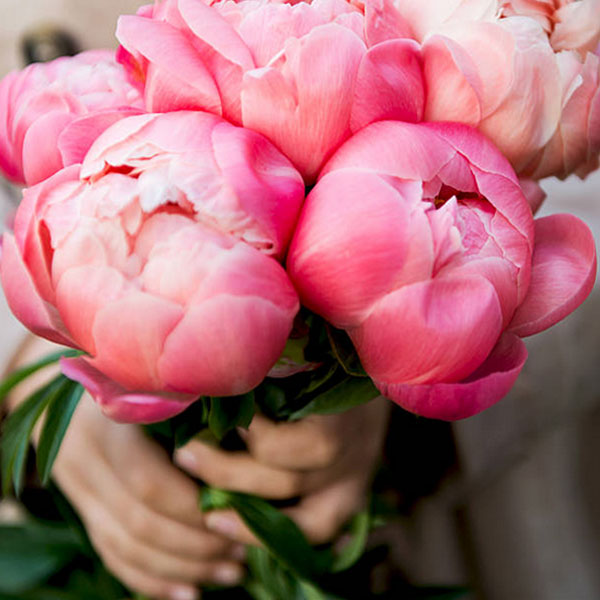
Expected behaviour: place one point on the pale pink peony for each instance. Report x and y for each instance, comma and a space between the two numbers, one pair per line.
77, 96
575, 145
570, 24
500, 77
306, 76
158, 258
418, 241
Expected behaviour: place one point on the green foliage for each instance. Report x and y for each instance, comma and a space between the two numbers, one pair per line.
359, 531
14, 378
17, 431
30, 553
347, 394
60, 410
228, 413
280, 535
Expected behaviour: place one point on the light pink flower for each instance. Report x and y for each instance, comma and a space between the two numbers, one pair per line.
306, 76
570, 24
575, 145
158, 259
418, 241
76, 97
501, 78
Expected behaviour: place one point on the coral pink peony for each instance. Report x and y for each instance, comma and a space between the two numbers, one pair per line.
158, 258
306, 76
76, 97
418, 241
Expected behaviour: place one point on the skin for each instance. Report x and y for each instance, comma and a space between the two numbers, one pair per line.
141, 511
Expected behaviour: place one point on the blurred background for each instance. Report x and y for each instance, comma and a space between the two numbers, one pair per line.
507, 503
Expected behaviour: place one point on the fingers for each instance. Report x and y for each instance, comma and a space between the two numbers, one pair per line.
143, 582
322, 514
238, 472
313, 443
143, 524
148, 473
109, 534
319, 515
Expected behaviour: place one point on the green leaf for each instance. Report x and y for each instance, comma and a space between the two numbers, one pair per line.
17, 431
347, 394
228, 413
359, 529
19, 375
58, 416
344, 351
279, 534
30, 553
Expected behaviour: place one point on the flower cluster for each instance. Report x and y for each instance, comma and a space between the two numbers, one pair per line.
170, 239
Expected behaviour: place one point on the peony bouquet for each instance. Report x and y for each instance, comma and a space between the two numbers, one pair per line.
293, 208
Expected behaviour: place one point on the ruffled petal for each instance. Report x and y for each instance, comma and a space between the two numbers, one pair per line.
122, 405
453, 401
562, 276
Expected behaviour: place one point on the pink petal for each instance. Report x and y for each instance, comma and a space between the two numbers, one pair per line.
389, 85
41, 157
24, 299
79, 135
268, 187
432, 331
224, 346
533, 192
177, 78
384, 22
562, 276
119, 404
350, 210
129, 335
483, 388
302, 105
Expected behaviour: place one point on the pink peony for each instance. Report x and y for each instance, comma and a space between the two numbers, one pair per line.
158, 258
306, 76
500, 77
418, 241
570, 24
76, 97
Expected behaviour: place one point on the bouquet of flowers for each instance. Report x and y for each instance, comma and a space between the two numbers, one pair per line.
292, 208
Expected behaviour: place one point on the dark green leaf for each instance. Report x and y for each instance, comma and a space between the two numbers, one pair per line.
347, 394
343, 349
30, 553
58, 416
279, 534
228, 413
16, 377
359, 530
17, 431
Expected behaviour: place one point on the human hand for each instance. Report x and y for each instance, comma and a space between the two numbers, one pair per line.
140, 511
327, 462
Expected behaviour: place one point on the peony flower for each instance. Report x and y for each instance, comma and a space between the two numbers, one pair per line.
158, 258
306, 76
575, 145
500, 77
570, 24
418, 241
77, 96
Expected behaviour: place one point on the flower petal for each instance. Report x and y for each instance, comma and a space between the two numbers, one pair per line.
562, 276
453, 401
119, 404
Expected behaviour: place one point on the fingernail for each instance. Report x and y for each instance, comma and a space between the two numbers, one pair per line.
184, 593
221, 524
185, 459
227, 575
238, 552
